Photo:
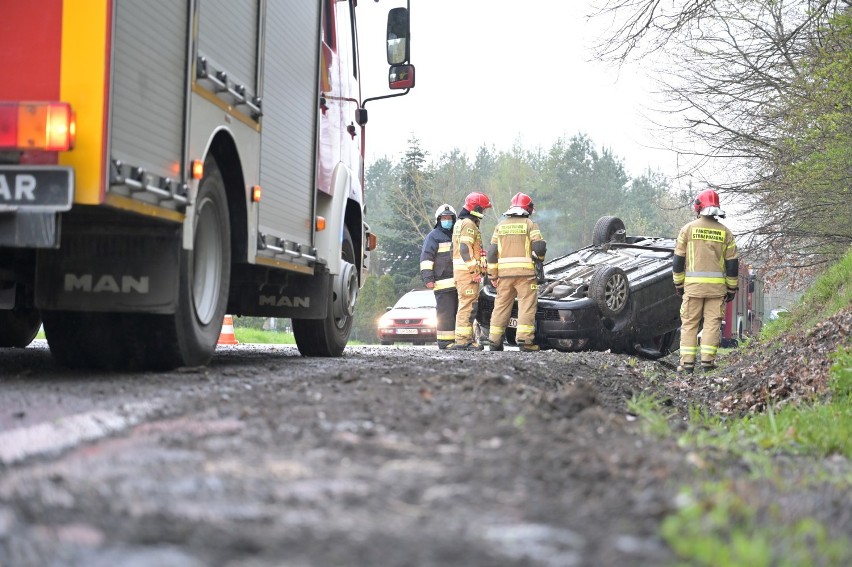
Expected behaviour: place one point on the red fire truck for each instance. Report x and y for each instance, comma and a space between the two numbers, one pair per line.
163, 163
744, 315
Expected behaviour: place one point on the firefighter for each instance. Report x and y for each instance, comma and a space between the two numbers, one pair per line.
516, 246
705, 270
436, 269
468, 268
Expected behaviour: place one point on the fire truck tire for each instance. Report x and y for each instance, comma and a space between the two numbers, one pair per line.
328, 337
18, 327
117, 341
86, 340
189, 336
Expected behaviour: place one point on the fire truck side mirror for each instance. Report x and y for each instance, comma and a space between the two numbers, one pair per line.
398, 36
401, 77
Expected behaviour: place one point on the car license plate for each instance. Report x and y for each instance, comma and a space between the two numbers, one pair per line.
406, 331
513, 323
30, 188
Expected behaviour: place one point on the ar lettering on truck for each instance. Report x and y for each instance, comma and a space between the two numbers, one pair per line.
285, 301
87, 283
24, 188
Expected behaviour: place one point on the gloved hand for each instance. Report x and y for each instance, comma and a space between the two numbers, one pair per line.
729, 297
679, 290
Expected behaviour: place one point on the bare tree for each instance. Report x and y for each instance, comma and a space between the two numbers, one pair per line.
732, 84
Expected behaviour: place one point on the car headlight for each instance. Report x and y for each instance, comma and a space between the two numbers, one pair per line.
385, 322
430, 322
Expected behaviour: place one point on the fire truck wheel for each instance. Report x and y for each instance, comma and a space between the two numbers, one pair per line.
88, 340
328, 337
189, 336
18, 327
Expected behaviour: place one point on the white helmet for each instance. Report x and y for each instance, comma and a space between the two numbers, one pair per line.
445, 209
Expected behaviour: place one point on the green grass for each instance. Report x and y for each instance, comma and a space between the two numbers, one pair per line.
723, 524
257, 336
718, 525
818, 429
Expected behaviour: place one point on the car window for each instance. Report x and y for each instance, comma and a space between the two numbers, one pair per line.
416, 300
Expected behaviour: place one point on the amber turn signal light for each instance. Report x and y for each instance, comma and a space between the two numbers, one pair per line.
197, 169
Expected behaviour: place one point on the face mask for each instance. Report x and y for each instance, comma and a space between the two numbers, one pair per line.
446, 224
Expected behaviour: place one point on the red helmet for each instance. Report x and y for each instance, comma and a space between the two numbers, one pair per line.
523, 201
707, 198
475, 203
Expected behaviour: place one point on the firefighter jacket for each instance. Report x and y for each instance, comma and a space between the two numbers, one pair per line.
467, 246
510, 253
436, 259
705, 260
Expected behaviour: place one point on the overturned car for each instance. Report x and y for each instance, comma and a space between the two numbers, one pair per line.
616, 294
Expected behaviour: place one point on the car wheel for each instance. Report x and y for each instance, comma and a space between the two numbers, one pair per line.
609, 289
387, 343
608, 229
511, 337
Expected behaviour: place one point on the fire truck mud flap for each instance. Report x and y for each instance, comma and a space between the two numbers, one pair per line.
184, 300
115, 272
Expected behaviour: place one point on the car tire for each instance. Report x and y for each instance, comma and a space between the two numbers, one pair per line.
610, 290
608, 229
511, 337
386, 343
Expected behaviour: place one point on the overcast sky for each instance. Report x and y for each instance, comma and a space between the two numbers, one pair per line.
498, 71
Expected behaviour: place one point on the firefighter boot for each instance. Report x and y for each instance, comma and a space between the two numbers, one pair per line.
496, 345
708, 366
464, 346
529, 347
443, 345
685, 368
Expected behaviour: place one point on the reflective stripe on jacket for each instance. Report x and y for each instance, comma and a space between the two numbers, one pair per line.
514, 236
466, 233
436, 259
708, 248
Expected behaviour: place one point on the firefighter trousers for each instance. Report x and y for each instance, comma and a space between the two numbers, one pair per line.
468, 297
446, 306
525, 288
692, 310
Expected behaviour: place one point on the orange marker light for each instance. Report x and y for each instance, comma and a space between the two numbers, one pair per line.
320, 223
255, 194
197, 169
372, 242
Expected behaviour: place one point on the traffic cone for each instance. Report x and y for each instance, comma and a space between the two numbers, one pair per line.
226, 335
